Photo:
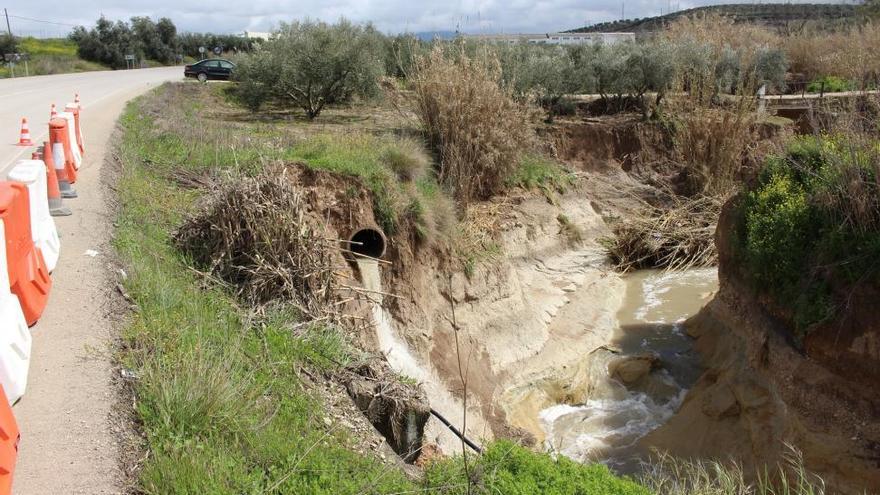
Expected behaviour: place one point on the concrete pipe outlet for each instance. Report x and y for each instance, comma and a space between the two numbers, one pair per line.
368, 241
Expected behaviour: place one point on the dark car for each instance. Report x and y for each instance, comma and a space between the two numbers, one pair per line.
212, 68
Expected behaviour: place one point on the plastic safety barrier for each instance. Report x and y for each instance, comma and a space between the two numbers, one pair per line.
9, 437
33, 174
53, 189
15, 338
62, 156
28, 274
76, 110
71, 137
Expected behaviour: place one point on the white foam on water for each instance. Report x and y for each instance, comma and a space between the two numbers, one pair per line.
601, 429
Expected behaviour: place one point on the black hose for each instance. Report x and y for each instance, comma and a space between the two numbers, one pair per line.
459, 434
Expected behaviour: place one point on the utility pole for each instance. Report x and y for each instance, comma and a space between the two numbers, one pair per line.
622, 10
8, 28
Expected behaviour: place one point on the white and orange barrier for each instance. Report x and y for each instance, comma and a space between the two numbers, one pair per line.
9, 438
28, 275
53, 190
15, 338
71, 138
75, 109
32, 173
62, 156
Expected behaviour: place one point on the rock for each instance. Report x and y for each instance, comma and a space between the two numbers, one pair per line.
720, 403
631, 369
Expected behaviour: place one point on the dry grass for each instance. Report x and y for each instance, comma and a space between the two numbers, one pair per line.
473, 122
712, 144
850, 54
671, 476
678, 235
252, 233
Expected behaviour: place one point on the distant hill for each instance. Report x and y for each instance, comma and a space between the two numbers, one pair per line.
774, 15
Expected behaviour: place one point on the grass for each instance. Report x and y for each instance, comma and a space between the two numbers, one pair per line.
221, 404
536, 171
50, 56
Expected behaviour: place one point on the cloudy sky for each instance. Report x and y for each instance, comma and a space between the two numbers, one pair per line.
490, 16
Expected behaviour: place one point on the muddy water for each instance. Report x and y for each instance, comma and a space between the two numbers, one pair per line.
608, 426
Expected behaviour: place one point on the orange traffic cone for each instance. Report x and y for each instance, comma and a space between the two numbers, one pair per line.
53, 113
76, 98
25, 139
56, 205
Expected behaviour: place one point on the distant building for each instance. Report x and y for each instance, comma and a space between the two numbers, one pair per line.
256, 35
557, 38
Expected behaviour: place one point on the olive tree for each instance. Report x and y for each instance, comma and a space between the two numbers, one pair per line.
311, 64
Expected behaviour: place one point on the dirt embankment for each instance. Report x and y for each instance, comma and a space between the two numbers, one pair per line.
760, 391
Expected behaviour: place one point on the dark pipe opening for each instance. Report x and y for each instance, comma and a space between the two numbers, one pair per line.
368, 242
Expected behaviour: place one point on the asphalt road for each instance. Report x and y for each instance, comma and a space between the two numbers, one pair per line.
69, 442
31, 97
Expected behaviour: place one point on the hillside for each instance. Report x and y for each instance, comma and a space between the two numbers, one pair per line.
777, 15
50, 56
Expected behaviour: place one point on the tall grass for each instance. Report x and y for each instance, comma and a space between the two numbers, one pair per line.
667, 475
471, 120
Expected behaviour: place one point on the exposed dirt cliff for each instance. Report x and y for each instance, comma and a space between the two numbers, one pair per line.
762, 390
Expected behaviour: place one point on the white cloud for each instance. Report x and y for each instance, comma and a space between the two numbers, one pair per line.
387, 15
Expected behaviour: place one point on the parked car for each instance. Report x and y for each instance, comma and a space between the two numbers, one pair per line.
212, 68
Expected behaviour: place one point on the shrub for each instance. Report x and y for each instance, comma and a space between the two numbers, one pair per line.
311, 64
813, 221
830, 84
471, 120
108, 43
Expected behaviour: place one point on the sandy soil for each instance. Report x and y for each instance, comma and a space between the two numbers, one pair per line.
68, 440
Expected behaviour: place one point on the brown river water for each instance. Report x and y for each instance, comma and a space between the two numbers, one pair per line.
607, 428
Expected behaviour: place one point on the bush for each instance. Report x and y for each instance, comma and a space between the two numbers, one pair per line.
311, 64
830, 84
813, 221
471, 120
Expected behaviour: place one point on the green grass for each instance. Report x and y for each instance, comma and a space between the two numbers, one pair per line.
372, 160
539, 172
506, 468
50, 56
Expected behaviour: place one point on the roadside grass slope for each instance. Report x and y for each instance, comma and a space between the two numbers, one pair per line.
50, 56
219, 394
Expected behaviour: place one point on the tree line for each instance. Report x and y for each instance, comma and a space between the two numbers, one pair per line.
310, 64
109, 42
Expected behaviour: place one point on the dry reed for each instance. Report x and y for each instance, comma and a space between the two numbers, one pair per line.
471, 120
252, 233
676, 236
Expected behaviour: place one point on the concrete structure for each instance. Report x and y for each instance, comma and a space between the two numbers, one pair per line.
256, 35
557, 38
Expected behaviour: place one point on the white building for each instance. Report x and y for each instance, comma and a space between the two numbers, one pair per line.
256, 35
558, 38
